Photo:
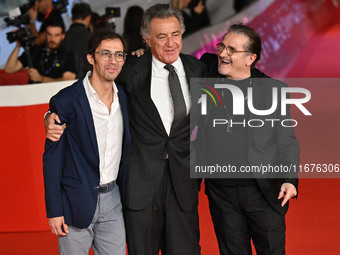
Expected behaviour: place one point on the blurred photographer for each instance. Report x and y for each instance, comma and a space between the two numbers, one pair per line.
78, 35
43, 11
50, 62
132, 24
195, 14
105, 21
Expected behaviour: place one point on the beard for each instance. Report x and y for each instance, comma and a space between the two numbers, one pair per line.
52, 45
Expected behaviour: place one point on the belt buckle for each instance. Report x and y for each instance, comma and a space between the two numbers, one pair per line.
104, 188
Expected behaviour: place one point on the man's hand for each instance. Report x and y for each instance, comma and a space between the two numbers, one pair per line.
287, 191
53, 131
33, 13
199, 8
35, 75
58, 226
138, 53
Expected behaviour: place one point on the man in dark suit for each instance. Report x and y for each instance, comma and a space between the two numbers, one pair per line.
161, 199
83, 201
249, 206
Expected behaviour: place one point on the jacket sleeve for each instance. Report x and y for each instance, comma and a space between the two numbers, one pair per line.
288, 147
52, 165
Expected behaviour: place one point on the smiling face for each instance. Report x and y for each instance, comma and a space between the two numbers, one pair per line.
236, 66
165, 39
106, 71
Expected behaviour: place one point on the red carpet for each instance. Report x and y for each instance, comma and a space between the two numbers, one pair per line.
313, 222
320, 57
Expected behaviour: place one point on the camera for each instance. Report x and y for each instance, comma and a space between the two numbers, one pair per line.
60, 5
17, 21
18, 16
108, 19
22, 35
112, 12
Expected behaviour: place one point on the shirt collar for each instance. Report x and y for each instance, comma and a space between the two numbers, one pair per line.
159, 66
89, 90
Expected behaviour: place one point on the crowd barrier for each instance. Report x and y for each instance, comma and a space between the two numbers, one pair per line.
22, 109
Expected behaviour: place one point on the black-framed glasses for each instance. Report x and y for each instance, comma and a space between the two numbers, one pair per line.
230, 50
105, 55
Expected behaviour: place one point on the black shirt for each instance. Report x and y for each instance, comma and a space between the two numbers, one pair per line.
51, 64
194, 21
234, 144
133, 42
229, 140
54, 15
76, 40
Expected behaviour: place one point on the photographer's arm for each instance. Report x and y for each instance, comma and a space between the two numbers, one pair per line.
66, 76
39, 37
13, 63
37, 77
33, 30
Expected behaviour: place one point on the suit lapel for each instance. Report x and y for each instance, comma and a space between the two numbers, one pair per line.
123, 105
142, 78
85, 106
189, 69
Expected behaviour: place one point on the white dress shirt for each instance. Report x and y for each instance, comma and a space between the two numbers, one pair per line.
160, 91
109, 131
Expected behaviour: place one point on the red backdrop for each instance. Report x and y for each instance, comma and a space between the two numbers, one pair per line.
22, 132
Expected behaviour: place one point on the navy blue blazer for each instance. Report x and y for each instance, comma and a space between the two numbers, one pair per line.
71, 165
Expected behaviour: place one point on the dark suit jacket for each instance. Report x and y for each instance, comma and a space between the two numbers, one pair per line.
267, 145
71, 165
150, 143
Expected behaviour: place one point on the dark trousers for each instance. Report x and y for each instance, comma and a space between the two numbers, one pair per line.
240, 214
162, 225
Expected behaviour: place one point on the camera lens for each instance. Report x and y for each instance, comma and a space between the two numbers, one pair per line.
12, 36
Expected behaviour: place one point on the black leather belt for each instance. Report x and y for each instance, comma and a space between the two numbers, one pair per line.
104, 188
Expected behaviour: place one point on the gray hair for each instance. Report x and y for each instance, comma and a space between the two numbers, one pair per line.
161, 11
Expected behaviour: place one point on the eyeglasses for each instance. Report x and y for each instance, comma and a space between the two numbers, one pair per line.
230, 50
105, 55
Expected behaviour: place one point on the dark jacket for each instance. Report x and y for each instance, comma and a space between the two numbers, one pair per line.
71, 165
266, 145
150, 143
